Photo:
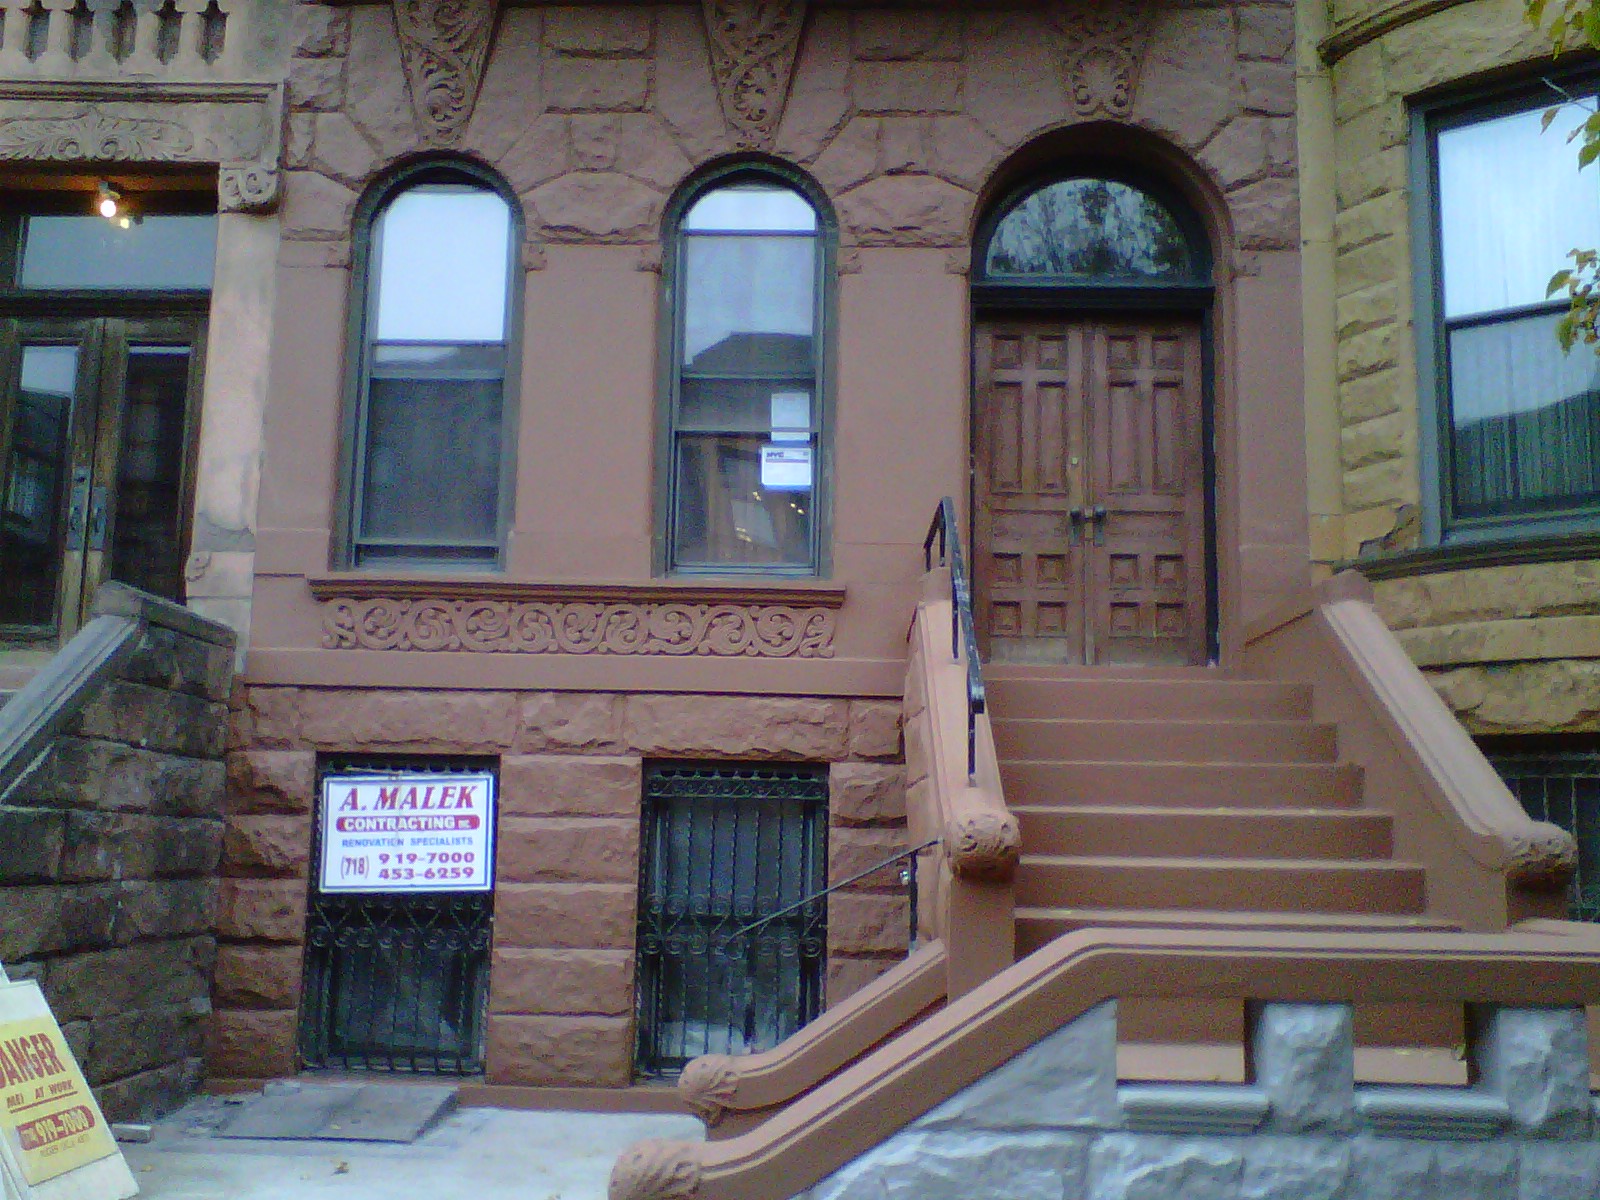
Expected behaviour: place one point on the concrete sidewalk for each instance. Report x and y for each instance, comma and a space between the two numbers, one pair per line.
471, 1154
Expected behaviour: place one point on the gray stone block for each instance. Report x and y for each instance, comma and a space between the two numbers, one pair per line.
1485, 1171
1384, 1169
1298, 1168
1305, 1062
1559, 1171
1125, 1166
93, 773
163, 658
148, 975
962, 1165
1067, 1080
108, 845
54, 919
1537, 1060
32, 839
155, 719
166, 909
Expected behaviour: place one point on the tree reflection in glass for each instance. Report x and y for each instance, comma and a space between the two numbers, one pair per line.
1090, 229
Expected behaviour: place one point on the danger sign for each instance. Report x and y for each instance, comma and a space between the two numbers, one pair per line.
407, 833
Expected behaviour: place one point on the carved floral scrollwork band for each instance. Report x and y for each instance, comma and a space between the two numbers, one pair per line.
444, 45
540, 627
753, 44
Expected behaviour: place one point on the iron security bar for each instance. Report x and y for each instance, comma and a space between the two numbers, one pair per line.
962, 629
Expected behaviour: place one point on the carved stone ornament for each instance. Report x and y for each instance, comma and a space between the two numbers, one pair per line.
1104, 44
657, 1170
671, 628
708, 1085
444, 45
95, 137
247, 188
1544, 863
983, 844
753, 45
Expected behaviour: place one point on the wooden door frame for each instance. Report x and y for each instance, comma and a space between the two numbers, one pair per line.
1087, 304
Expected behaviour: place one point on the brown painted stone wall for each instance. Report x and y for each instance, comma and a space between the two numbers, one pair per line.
561, 999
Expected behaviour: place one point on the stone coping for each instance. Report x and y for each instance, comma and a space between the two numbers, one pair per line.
362, 585
120, 600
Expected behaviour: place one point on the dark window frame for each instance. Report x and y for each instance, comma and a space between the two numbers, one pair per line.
359, 366
670, 338
1441, 526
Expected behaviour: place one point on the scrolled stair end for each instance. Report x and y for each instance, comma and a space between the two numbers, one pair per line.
708, 1086
657, 1170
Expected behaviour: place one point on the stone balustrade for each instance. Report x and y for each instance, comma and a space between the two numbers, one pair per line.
157, 40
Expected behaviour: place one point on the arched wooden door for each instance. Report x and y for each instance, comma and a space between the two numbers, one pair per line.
1089, 467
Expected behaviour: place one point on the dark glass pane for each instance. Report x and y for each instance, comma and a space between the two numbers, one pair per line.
781, 407
145, 548
443, 266
156, 252
743, 501
749, 303
33, 484
432, 471
1090, 231
1526, 419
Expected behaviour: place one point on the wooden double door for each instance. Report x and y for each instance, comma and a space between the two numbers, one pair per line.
1089, 491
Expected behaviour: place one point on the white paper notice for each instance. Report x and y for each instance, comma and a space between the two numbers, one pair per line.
786, 468
407, 833
791, 416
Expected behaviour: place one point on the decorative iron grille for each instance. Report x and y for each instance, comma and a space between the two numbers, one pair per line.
1562, 787
395, 983
726, 846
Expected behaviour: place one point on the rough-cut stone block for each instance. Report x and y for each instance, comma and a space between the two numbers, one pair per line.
908, 210
868, 923
579, 722
1269, 88
597, 31
93, 773
851, 851
875, 729
143, 1097
866, 794
1066, 1080
596, 84
164, 658
962, 1165
551, 1051
1388, 1169
258, 977
637, 144
316, 84
1476, 1172
316, 206
153, 719
738, 726
127, 1043
251, 1045
55, 919
564, 785
1266, 31
318, 30
567, 850
573, 982
102, 845
1294, 1169
1537, 1059
1187, 85
272, 781
1559, 1171
1129, 1167
962, 152
911, 87
910, 35
166, 908
453, 722
597, 204
267, 910
853, 156
377, 98
33, 840
560, 915
150, 975
340, 150
1305, 1061
268, 846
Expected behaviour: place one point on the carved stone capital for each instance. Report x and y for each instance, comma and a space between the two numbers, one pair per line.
1103, 48
657, 1170
1543, 862
753, 45
983, 844
445, 46
708, 1086
247, 188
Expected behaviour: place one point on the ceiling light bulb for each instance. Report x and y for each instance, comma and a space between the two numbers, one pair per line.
107, 204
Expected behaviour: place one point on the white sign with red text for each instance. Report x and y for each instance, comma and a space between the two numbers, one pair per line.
407, 833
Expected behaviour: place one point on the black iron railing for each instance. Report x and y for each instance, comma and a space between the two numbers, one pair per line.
947, 534
1563, 787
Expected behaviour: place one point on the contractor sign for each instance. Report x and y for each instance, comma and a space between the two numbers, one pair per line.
407, 833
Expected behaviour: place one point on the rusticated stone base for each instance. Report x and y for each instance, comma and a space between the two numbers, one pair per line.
561, 990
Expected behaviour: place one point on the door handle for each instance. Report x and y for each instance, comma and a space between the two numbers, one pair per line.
1098, 516
97, 519
1075, 519
78, 510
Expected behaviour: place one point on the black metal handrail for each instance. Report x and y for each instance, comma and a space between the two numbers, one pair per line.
908, 877
962, 629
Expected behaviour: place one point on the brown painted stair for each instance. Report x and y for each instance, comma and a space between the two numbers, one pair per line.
1192, 798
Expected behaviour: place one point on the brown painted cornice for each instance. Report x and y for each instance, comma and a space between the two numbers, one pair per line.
364, 586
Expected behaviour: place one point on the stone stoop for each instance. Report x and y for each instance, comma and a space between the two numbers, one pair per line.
1054, 1121
1191, 797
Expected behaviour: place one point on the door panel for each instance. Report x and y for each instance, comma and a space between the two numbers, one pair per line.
1089, 492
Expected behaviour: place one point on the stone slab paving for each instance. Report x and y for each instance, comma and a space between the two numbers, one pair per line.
470, 1154
341, 1112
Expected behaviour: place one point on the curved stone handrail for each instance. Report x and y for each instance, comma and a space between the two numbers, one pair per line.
729, 1092
1427, 747
972, 1036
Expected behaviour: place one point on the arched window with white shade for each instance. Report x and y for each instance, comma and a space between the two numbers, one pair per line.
745, 440
429, 479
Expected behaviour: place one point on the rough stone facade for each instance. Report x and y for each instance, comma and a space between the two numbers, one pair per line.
561, 992
1053, 1122
108, 876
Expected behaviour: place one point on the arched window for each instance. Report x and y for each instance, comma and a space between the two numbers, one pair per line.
1092, 231
745, 439
428, 478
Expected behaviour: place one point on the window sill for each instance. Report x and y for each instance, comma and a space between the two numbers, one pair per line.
1476, 555
364, 585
